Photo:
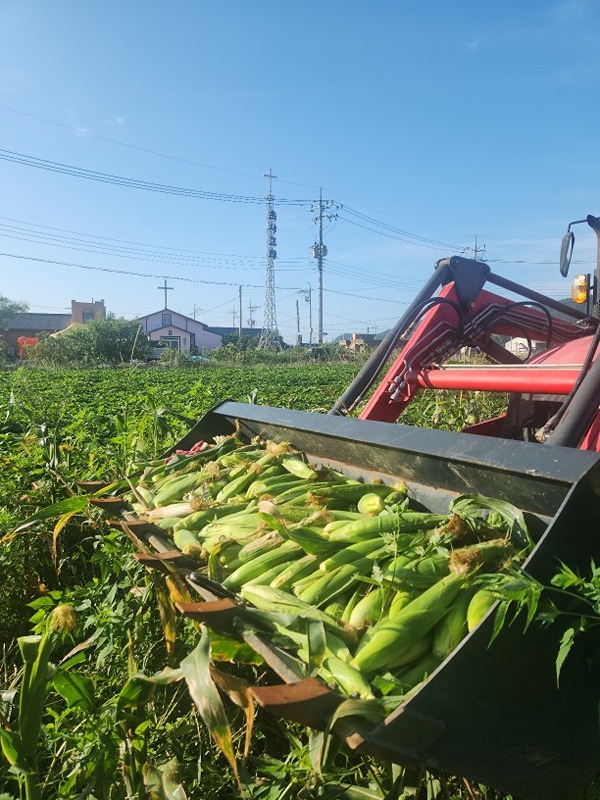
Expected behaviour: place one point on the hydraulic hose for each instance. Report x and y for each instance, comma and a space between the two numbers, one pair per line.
373, 366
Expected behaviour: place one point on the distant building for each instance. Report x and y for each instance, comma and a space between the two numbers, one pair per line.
225, 331
523, 348
359, 342
178, 331
30, 326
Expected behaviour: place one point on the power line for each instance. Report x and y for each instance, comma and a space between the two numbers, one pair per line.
77, 130
120, 242
133, 183
153, 275
366, 222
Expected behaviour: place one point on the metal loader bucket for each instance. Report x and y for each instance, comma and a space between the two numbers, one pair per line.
491, 713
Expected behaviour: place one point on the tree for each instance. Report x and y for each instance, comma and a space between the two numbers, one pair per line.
8, 308
111, 341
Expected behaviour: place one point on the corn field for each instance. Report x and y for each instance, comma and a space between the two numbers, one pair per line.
109, 692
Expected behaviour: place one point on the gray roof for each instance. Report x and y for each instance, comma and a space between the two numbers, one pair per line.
224, 331
30, 321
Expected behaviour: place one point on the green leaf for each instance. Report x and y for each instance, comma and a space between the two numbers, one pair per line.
12, 748
77, 690
137, 692
566, 578
479, 511
226, 648
372, 711
204, 693
566, 643
72, 505
317, 645
163, 781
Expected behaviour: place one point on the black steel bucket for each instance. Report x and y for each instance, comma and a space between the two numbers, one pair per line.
491, 712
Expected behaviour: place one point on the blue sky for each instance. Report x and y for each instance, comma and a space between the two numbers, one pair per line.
426, 125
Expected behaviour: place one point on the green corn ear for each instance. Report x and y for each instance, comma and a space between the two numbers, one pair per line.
227, 553
295, 571
234, 526
351, 602
312, 541
180, 509
267, 598
330, 584
274, 486
198, 519
174, 489
189, 545
146, 494
423, 572
337, 607
350, 492
484, 555
401, 598
414, 674
371, 548
256, 547
369, 608
390, 638
371, 504
299, 494
401, 522
265, 577
257, 566
480, 604
239, 485
414, 652
296, 466
347, 678
452, 628
166, 523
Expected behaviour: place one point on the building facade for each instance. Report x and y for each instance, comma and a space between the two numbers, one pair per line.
31, 326
178, 331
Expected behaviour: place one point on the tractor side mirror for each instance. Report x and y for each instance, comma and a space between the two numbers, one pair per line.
566, 251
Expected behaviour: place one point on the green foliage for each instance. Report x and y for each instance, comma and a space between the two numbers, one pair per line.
571, 598
98, 343
8, 308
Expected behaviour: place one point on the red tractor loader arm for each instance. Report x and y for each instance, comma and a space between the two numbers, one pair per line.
554, 391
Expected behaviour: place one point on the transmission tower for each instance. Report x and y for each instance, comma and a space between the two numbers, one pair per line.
269, 337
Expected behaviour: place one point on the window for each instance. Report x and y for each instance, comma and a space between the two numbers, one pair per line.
166, 320
87, 316
172, 341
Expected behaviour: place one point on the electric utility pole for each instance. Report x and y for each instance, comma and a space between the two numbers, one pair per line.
307, 294
251, 310
478, 252
319, 251
298, 334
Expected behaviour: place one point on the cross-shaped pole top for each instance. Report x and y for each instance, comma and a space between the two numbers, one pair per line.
166, 289
270, 176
